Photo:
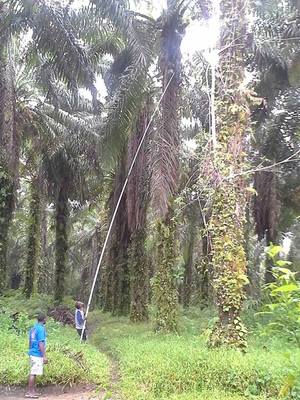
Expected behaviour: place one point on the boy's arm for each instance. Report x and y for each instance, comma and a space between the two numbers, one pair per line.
41, 340
42, 348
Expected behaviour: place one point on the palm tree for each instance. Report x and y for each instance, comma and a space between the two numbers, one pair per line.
52, 34
228, 210
61, 56
165, 174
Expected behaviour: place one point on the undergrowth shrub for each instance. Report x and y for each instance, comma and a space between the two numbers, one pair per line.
14, 302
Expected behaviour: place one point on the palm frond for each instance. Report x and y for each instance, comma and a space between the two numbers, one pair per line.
138, 34
276, 34
54, 35
278, 137
165, 170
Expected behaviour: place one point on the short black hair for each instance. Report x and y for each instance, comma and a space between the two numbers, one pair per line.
41, 317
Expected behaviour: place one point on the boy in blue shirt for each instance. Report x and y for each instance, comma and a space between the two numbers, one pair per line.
37, 354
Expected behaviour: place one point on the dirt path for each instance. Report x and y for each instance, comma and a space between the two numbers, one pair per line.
52, 393
115, 374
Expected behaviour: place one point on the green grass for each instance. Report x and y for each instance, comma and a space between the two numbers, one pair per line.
69, 361
152, 366
172, 367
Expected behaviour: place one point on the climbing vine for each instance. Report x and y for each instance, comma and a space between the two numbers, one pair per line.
139, 277
164, 283
33, 246
6, 210
228, 210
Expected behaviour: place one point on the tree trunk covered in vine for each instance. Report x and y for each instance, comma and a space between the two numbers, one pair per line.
9, 154
139, 277
228, 213
165, 292
189, 260
266, 212
61, 242
117, 296
6, 211
188, 275
44, 279
165, 174
33, 245
137, 201
96, 246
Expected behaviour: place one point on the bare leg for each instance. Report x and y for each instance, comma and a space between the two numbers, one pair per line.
31, 385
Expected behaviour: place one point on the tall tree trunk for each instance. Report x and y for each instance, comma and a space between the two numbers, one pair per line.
139, 277
45, 273
266, 212
117, 271
6, 211
165, 175
164, 286
137, 201
9, 154
189, 263
33, 245
97, 243
228, 213
206, 296
61, 242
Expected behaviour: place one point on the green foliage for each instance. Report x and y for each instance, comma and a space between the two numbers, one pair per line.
229, 263
69, 361
283, 307
15, 302
155, 367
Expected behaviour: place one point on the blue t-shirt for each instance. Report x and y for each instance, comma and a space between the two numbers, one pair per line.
36, 334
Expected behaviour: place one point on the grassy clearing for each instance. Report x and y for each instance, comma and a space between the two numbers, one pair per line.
69, 361
152, 367
157, 367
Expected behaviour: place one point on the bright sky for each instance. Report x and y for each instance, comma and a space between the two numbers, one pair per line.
199, 36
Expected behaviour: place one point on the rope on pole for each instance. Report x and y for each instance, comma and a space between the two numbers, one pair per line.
118, 204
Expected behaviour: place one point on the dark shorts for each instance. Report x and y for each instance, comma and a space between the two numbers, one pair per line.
79, 331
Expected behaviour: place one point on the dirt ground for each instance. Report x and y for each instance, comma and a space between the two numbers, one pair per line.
52, 393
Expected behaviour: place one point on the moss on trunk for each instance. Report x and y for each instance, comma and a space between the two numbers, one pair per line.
139, 278
9, 151
228, 212
6, 211
33, 245
61, 243
165, 294
229, 262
